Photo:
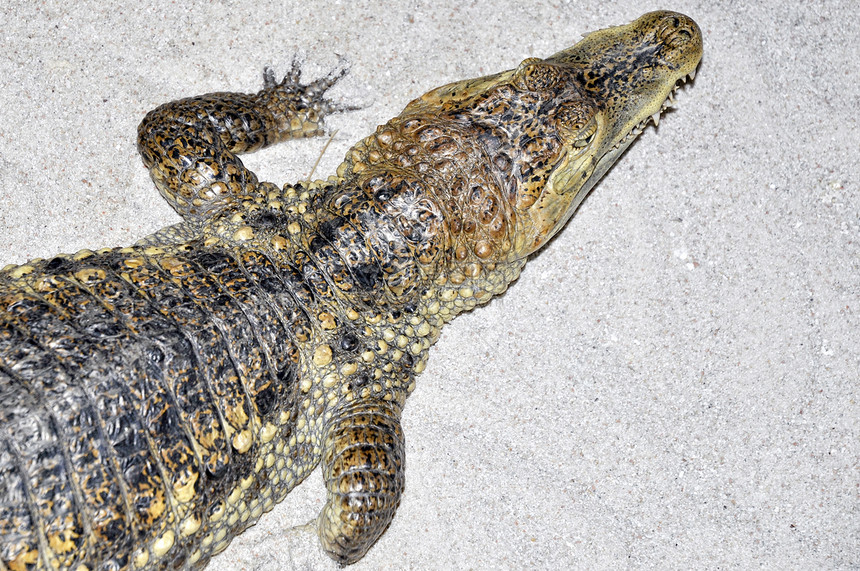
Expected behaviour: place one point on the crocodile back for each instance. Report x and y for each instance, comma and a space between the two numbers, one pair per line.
143, 392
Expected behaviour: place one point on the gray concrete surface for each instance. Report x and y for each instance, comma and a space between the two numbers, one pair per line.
673, 382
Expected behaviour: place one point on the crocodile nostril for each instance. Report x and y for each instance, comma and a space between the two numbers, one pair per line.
677, 30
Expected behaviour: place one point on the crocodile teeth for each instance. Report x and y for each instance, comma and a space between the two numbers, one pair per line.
667, 103
692, 75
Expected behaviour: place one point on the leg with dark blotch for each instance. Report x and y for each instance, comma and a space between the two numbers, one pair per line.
190, 145
363, 467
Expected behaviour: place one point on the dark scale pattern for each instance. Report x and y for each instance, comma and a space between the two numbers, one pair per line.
156, 400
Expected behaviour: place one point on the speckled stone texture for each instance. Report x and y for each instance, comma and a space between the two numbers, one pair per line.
673, 381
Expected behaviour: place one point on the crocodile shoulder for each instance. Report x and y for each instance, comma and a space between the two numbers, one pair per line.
156, 400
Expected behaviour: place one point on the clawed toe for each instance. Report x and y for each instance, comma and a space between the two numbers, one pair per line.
339, 70
292, 80
311, 94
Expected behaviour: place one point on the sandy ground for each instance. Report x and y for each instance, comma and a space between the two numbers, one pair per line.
673, 382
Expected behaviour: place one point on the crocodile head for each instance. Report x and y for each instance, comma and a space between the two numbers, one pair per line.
554, 126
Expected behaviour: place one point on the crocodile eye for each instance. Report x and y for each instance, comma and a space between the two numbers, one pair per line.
585, 136
577, 123
533, 74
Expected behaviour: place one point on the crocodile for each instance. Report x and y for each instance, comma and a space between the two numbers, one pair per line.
158, 399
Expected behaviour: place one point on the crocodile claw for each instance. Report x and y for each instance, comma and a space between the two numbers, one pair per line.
311, 94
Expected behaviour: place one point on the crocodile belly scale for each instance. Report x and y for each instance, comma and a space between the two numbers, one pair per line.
156, 400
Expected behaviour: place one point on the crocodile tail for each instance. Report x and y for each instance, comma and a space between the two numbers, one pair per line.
142, 395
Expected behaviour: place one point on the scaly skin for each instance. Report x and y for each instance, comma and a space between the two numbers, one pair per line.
156, 400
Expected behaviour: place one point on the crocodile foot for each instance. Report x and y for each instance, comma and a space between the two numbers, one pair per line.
311, 95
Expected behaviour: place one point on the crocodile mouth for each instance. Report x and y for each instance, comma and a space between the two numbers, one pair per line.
611, 156
637, 130
562, 180
630, 75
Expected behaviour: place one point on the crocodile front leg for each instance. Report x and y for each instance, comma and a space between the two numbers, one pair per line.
190, 145
363, 466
